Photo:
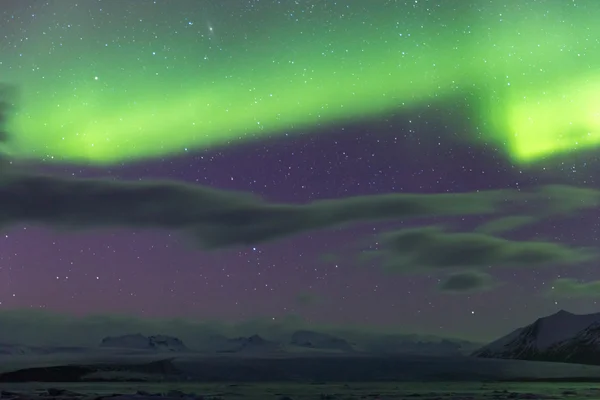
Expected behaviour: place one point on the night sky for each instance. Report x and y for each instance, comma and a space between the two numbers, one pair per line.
298, 101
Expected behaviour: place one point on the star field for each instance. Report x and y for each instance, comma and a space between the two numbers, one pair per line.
128, 81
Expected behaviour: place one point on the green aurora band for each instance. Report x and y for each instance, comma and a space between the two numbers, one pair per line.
152, 90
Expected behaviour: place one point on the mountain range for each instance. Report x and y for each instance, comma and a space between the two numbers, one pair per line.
295, 343
159, 343
300, 341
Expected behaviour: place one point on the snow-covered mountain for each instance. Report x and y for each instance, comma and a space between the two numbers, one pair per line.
583, 348
320, 341
140, 342
548, 338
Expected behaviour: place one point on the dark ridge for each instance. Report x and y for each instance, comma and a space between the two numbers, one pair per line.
77, 373
67, 373
585, 379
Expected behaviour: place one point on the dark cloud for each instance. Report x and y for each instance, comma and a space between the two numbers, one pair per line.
564, 200
506, 224
540, 203
214, 218
566, 287
467, 281
431, 247
275, 221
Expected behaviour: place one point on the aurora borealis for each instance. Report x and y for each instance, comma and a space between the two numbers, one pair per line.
104, 90
305, 104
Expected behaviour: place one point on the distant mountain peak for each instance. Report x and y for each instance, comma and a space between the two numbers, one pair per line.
141, 342
255, 340
562, 312
319, 340
254, 343
562, 336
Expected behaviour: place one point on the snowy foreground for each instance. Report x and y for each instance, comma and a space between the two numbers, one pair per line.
291, 391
